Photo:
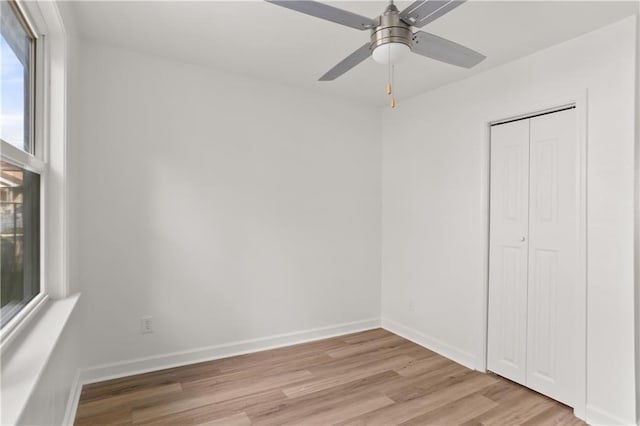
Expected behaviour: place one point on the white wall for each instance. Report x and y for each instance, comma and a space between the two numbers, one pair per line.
225, 208
434, 235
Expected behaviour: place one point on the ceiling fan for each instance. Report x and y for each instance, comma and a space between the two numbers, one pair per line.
391, 33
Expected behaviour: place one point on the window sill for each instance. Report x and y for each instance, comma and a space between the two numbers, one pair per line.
21, 321
26, 359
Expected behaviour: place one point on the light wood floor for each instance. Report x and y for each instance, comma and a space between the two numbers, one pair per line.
373, 377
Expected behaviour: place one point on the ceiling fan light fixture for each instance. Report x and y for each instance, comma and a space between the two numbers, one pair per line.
392, 34
392, 53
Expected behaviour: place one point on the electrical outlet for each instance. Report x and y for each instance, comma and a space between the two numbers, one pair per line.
146, 325
412, 306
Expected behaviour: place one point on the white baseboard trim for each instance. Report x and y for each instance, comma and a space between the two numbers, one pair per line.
177, 359
72, 402
599, 417
580, 411
435, 345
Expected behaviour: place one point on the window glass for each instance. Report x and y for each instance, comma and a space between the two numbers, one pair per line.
19, 238
16, 53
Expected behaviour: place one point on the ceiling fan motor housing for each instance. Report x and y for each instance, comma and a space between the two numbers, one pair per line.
391, 29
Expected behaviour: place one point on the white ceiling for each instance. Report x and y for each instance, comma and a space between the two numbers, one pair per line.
272, 43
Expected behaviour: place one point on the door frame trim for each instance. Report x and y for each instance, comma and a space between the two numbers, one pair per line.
521, 109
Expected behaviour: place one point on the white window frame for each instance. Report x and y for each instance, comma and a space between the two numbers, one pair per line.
48, 158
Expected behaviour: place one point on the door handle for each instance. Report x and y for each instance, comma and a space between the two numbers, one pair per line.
522, 239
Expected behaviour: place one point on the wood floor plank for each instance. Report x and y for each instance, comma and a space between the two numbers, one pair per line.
430, 381
341, 411
302, 409
419, 366
303, 406
220, 394
117, 417
401, 412
128, 400
367, 378
521, 407
363, 347
456, 412
329, 382
252, 374
146, 380
554, 416
358, 362
239, 419
217, 410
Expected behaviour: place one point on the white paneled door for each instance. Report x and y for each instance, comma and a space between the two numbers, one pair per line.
533, 254
508, 249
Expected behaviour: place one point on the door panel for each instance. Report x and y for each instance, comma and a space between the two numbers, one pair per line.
508, 255
553, 248
543, 316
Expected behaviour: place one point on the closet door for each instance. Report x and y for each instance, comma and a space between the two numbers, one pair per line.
508, 254
553, 248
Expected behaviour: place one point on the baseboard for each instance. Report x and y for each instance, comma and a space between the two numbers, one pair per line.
580, 411
72, 402
599, 417
435, 345
177, 359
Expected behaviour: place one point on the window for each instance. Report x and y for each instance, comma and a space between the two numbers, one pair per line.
21, 167
17, 46
20, 238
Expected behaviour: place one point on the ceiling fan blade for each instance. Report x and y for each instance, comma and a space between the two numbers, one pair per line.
347, 63
444, 50
420, 13
330, 13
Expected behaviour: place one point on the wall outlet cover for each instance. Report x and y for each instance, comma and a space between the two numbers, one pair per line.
146, 325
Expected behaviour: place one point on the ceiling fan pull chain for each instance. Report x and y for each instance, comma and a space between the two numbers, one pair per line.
393, 98
389, 87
